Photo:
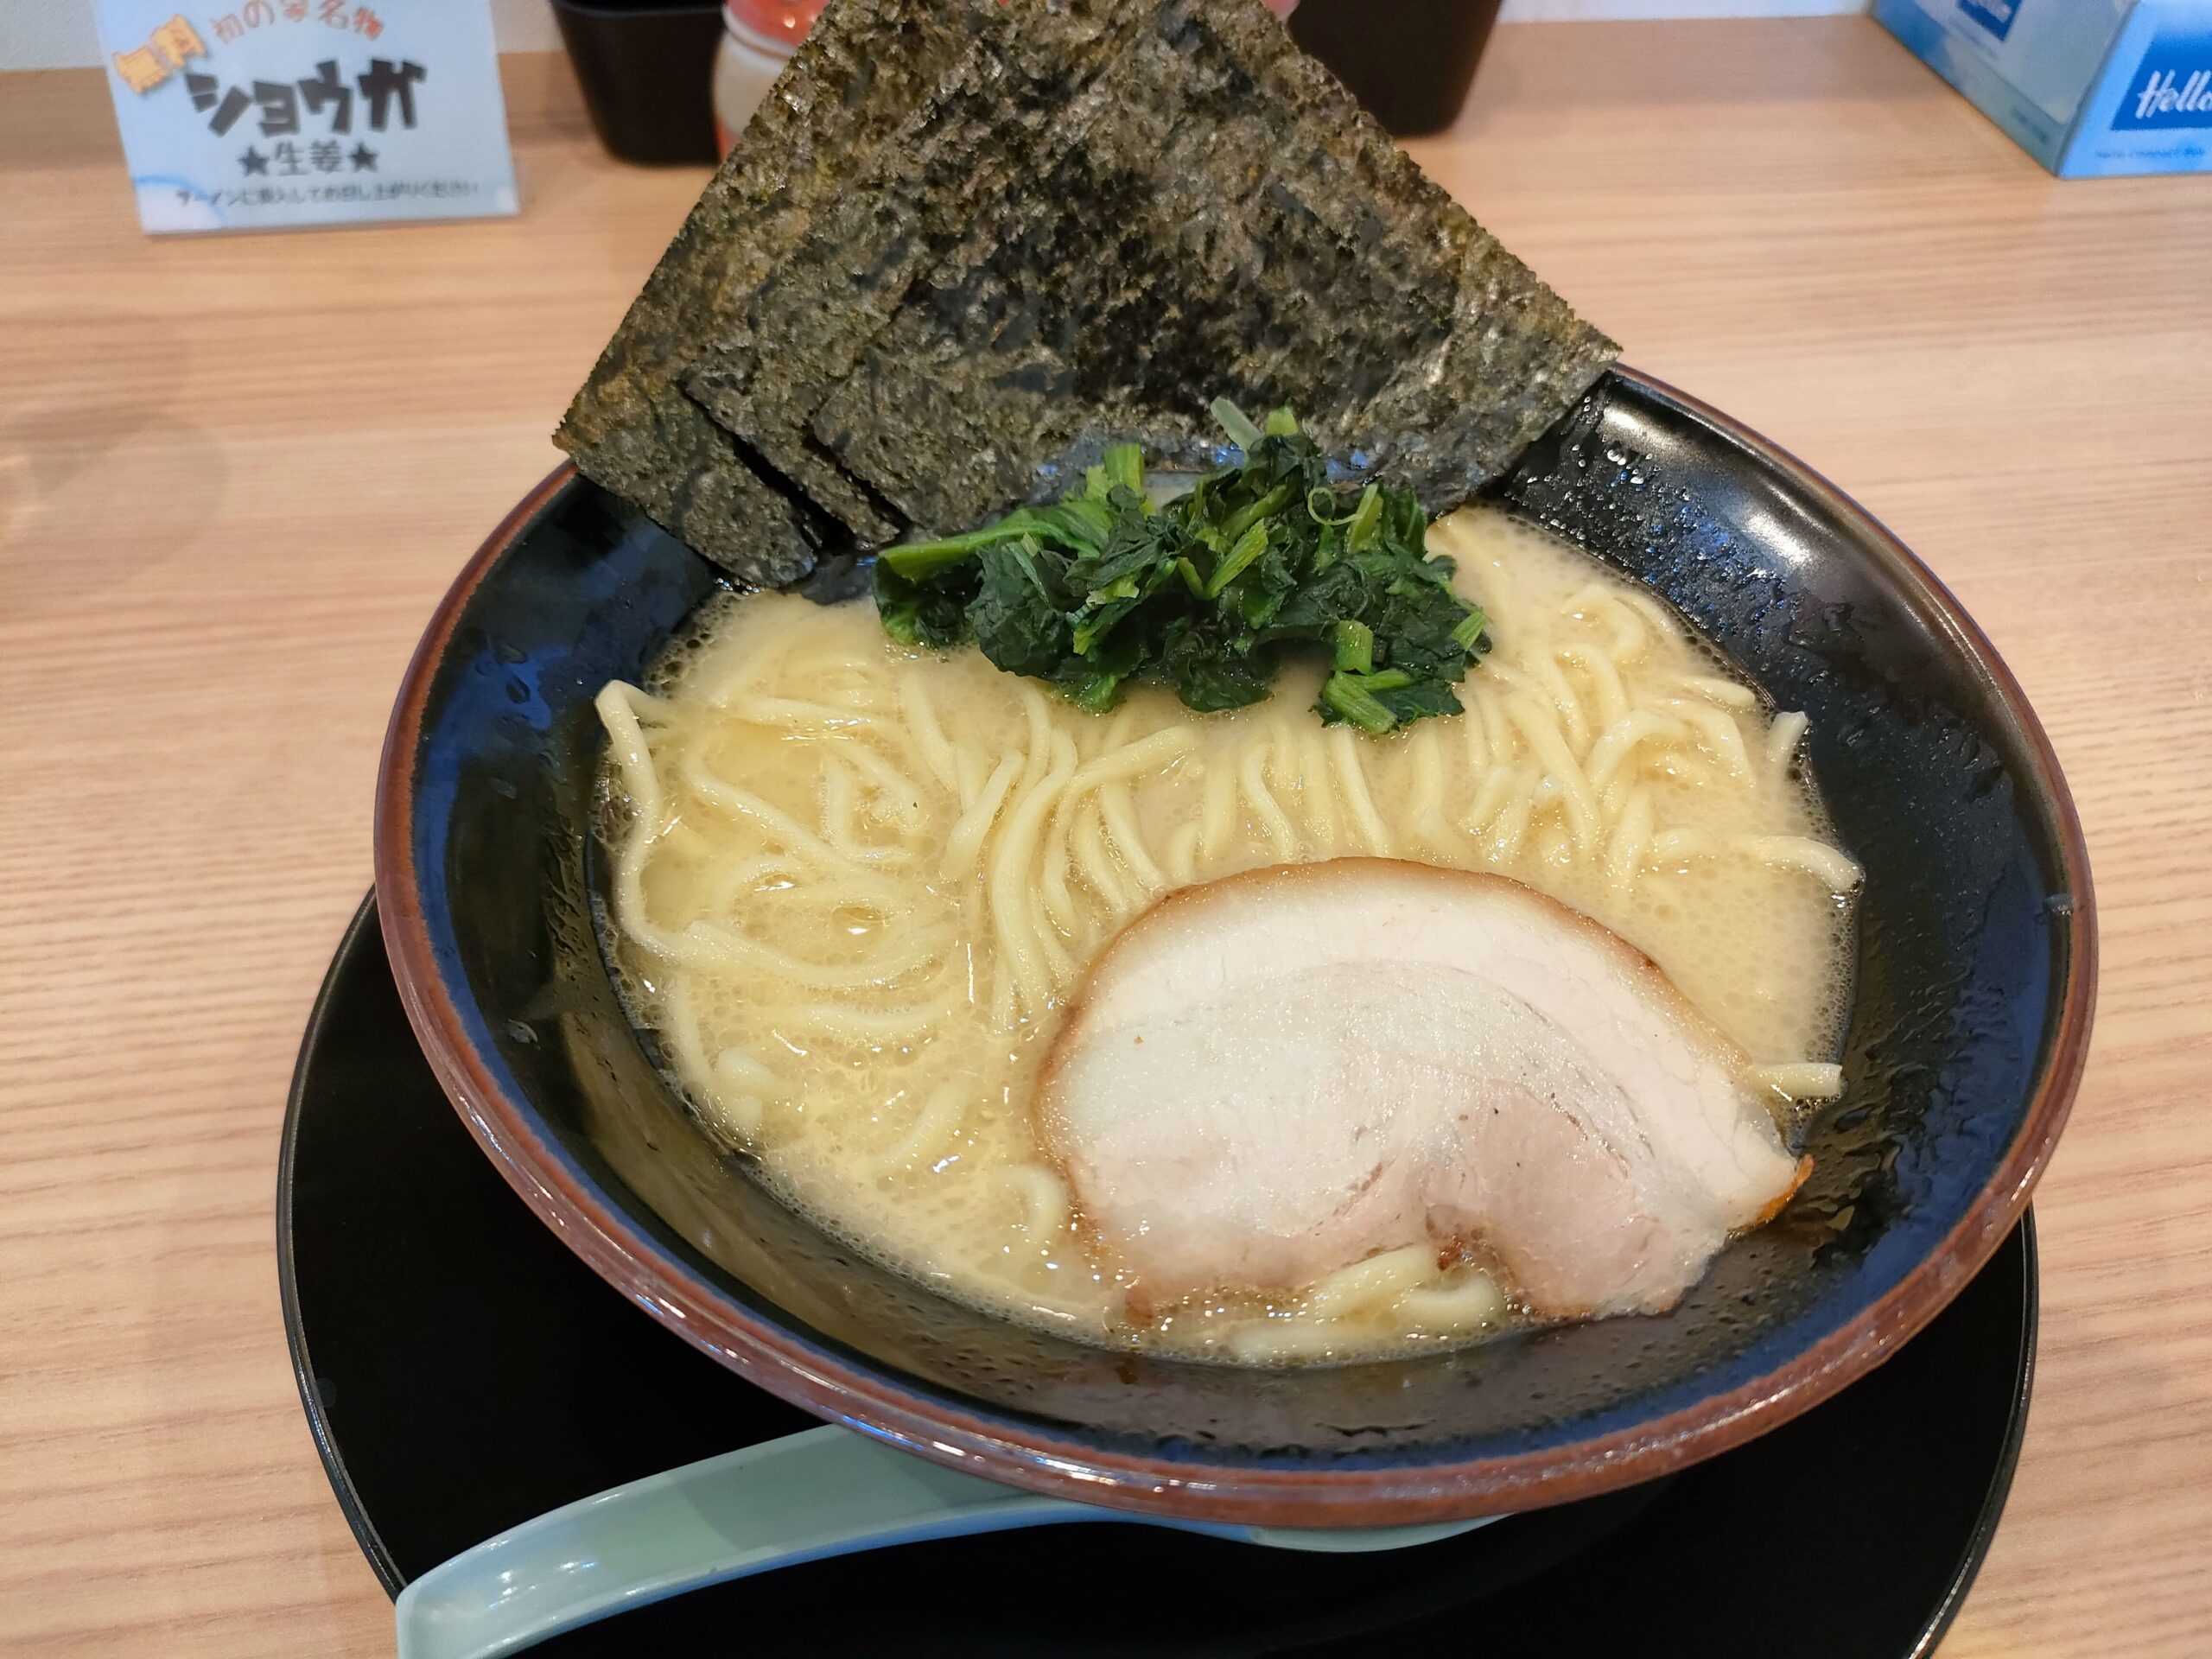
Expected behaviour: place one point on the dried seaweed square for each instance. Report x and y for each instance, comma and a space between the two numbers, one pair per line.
1018, 93
1238, 226
630, 428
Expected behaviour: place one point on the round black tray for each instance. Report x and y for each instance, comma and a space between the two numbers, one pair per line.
462, 1372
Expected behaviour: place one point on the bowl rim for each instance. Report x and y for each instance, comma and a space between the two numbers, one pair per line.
1040, 1459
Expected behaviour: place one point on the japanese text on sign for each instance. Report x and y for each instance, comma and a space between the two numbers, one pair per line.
219, 104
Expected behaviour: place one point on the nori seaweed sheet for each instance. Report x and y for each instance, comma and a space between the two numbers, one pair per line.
863, 68
965, 146
963, 244
1238, 226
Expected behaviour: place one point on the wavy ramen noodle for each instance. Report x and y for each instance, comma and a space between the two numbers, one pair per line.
855, 883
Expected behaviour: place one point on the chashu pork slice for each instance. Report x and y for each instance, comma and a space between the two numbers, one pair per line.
1276, 1075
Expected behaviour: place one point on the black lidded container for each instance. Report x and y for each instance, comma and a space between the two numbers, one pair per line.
647, 68
1409, 61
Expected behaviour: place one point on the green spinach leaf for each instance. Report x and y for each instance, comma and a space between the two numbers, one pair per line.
1207, 592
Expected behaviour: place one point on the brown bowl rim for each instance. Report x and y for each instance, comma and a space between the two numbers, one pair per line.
839, 1389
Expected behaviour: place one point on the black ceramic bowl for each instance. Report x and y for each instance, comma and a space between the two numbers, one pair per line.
1975, 980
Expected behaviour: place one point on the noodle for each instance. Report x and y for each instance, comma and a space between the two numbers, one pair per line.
1011, 913
1220, 805
1425, 802
1544, 739
1472, 1302
1041, 732
1497, 736
837, 804
617, 707
929, 736
1045, 1203
964, 846
1353, 780
931, 1131
1782, 738
1727, 693
899, 798
1381, 1278
1512, 824
1718, 733
779, 825
790, 713
880, 1025
1628, 638
1817, 859
1096, 865
743, 1089
1625, 855
1315, 793
1121, 820
1497, 784
1162, 749
1804, 1079
1281, 838
1182, 853
1612, 701
1608, 752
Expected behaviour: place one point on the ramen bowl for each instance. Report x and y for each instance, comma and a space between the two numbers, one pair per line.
1970, 1023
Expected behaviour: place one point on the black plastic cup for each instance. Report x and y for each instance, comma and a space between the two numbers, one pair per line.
1409, 61
647, 70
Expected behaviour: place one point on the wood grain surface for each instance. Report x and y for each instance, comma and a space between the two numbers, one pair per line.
236, 473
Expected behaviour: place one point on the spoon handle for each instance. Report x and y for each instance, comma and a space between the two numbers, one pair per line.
826, 1491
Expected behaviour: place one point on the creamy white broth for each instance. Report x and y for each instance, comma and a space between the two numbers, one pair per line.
857, 884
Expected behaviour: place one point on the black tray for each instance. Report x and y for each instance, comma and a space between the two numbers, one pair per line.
462, 1372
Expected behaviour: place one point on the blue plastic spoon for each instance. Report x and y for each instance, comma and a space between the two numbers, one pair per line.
827, 1491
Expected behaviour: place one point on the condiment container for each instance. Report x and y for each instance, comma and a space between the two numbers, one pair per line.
759, 37
1409, 61
644, 67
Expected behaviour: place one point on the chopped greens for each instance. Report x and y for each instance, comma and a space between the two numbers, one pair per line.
1205, 593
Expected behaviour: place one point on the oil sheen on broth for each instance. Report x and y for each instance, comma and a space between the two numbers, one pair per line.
855, 883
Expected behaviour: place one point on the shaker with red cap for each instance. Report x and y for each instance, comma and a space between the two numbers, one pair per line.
759, 37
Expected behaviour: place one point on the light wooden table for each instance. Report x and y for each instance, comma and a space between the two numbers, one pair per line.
235, 474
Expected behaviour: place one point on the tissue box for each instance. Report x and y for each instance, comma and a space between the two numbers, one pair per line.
2088, 87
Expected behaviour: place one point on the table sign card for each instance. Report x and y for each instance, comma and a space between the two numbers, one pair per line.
253, 114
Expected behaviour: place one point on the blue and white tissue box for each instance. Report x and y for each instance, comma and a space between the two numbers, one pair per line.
254, 114
2089, 87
